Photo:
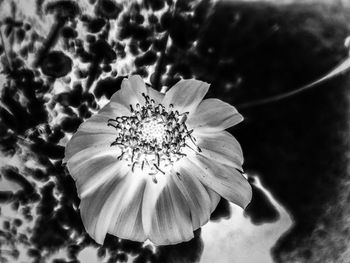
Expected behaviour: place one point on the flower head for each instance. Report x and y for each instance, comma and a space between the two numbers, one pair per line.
153, 166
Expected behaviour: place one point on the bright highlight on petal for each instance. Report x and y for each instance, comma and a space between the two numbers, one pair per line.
153, 166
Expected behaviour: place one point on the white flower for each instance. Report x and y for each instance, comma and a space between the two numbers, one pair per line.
153, 166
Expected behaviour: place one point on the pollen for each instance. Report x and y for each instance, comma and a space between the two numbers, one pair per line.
152, 138
153, 129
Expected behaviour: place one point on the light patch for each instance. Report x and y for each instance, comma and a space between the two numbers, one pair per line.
238, 240
153, 131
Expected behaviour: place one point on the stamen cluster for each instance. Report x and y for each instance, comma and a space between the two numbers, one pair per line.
151, 138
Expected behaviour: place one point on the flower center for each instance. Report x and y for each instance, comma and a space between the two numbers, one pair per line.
152, 138
153, 130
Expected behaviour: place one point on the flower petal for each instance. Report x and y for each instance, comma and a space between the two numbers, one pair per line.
156, 95
213, 115
81, 141
90, 153
127, 218
221, 147
186, 95
96, 124
130, 92
225, 180
95, 131
214, 197
139, 87
97, 209
113, 110
165, 214
91, 173
196, 195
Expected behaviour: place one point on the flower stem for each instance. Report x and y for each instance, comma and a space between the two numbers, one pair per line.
341, 68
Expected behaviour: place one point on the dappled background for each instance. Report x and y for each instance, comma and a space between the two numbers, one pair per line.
62, 60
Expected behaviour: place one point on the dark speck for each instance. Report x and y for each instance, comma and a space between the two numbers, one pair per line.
56, 64
20, 34
95, 25
68, 32
71, 124
154, 4
148, 58
109, 9
5, 196
107, 87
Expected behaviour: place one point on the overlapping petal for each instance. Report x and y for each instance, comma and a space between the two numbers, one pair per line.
186, 95
223, 179
95, 131
127, 218
92, 171
200, 200
213, 115
81, 141
131, 92
113, 109
156, 95
214, 197
97, 209
221, 147
97, 124
165, 213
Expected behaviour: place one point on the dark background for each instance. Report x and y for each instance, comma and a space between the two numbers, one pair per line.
246, 50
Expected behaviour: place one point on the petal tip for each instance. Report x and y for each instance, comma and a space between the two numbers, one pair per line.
135, 77
125, 82
240, 118
248, 198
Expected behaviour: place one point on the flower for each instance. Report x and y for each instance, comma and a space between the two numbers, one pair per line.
153, 166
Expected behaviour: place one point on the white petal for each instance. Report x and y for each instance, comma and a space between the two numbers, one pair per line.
86, 155
225, 180
165, 214
213, 115
156, 95
130, 92
95, 131
127, 216
97, 209
81, 141
196, 195
113, 110
90, 174
221, 147
96, 124
139, 87
151, 195
186, 95
214, 197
